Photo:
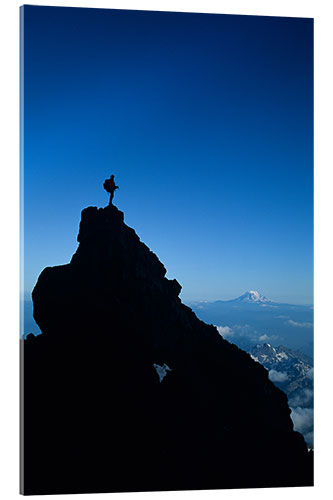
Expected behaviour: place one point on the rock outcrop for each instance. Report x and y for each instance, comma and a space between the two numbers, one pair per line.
127, 390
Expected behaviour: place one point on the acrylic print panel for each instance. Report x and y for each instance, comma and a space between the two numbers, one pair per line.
166, 148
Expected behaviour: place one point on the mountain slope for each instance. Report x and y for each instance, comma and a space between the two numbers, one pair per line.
127, 390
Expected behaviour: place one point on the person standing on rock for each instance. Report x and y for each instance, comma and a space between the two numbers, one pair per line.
110, 187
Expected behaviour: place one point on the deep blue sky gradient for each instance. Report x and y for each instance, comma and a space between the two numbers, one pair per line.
206, 122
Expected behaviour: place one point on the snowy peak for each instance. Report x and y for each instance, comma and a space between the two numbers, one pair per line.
253, 297
282, 361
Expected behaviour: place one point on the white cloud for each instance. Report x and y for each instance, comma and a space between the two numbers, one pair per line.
309, 438
225, 331
265, 338
303, 419
243, 330
303, 398
309, 374
276, 376
305, 324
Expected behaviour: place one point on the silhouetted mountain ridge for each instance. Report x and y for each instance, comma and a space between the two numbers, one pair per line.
98, 416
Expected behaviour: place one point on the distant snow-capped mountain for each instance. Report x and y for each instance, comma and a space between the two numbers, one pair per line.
251, 296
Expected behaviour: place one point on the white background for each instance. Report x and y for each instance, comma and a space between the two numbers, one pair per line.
322, 11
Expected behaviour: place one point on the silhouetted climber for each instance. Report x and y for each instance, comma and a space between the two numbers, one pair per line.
110, 186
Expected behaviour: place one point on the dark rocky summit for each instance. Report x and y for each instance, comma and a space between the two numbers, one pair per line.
127, 390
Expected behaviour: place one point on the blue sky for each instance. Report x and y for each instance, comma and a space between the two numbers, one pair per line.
206, 122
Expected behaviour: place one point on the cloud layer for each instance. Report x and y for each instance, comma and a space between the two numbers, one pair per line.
225, 331
303, 420
276, 376
304, 324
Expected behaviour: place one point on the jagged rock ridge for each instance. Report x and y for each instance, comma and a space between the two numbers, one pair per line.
98, 417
